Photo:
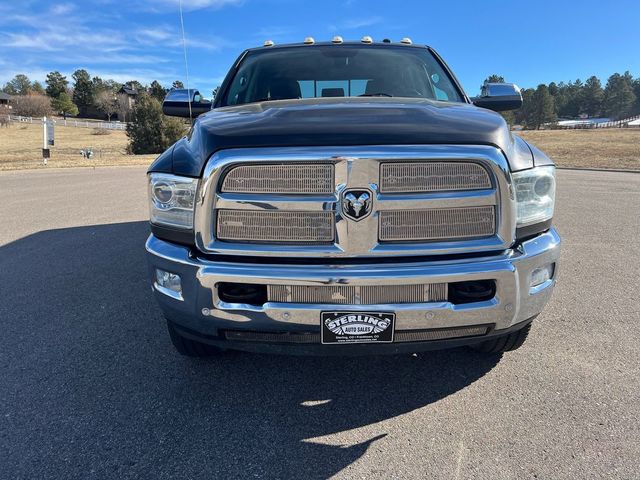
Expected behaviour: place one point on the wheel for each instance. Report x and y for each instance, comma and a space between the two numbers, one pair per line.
504, 343
190, 348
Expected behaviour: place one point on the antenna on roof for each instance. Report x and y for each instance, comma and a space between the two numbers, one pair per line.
186, 64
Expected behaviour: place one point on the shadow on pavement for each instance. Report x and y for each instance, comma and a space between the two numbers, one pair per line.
92, 387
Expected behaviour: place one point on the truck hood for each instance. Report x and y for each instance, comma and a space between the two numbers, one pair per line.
344, 121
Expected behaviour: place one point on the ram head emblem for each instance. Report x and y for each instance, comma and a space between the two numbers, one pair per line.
356, 204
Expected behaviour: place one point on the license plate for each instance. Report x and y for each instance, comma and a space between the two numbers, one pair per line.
357, 327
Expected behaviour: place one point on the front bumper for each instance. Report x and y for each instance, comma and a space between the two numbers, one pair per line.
199, 313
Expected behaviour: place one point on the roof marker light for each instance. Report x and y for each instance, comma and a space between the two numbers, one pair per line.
337, 39
406, 41
309, 41
269, 43
366, 39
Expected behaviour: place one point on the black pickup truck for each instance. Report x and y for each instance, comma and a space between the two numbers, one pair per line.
349, 198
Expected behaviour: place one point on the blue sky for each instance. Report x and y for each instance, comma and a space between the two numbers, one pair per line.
526, 42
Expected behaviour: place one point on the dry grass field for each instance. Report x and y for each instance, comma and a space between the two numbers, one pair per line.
616, 148
20, 147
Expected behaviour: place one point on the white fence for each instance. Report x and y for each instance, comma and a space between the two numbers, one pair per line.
72, 123
586, 124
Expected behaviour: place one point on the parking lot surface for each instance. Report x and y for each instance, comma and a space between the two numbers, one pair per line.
90, 386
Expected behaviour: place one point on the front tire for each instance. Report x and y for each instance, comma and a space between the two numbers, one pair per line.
504, 343
190, 348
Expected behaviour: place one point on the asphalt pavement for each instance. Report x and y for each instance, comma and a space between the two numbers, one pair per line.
90, 386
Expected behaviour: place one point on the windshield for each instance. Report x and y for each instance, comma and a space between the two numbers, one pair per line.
340, 71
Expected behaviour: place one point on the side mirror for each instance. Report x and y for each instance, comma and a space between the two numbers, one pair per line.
176, 103
499, 97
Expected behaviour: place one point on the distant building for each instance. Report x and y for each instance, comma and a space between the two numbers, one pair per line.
131, 92
4, 98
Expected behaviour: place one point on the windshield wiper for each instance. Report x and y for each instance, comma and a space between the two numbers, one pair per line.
375, 95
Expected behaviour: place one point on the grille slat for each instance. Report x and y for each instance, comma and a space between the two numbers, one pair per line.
424, 177
437, 224
280, 179
261, 226
357, 295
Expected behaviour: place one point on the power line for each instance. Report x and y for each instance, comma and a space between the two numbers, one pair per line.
186, 63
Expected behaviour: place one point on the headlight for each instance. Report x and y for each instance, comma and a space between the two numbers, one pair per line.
171, 200
535, 194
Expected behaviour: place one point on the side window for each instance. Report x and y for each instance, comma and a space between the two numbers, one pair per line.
443, 89
440, 94
237, 89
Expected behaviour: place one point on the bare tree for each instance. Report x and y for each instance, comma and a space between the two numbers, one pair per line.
5, 110
32, 106
124, 107
107, 103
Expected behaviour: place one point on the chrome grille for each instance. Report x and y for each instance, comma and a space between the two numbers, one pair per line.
437, 224
439, 334
442, 199
358, 294
261, 226
415, 177
280, 179
401, 336
273, 337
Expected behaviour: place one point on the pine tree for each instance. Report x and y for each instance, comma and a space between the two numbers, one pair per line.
524, 116
110, 85
63, 104
493, 79
560, 98
83, 93
98, 85
136, 85
157, 91
592, 97
636, 91
36, 87
619, 97
149, 130
177, 84
572, 100
18, 85
543, 109
56, 84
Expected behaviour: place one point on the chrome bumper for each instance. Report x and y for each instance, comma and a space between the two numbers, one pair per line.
199, 309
